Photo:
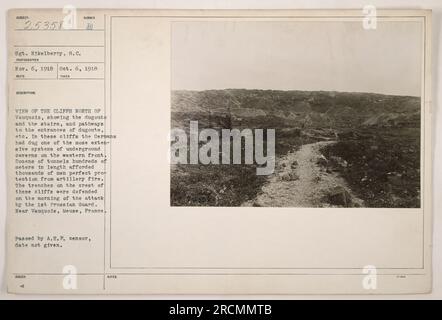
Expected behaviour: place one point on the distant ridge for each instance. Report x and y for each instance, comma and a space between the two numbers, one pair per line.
313, 108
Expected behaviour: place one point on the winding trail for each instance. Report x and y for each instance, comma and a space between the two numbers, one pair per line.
299, 181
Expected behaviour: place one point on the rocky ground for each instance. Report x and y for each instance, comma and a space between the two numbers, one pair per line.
375, 155
303, 179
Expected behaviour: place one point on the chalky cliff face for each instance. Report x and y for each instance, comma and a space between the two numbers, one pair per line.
332, 149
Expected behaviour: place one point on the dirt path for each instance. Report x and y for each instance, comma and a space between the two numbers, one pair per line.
299, 181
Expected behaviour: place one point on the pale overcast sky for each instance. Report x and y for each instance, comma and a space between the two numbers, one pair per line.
335, 56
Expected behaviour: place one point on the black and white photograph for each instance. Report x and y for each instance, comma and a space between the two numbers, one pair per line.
331, 109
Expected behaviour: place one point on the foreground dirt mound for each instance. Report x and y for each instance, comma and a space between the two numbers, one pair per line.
382, 166
339, 196
301, 181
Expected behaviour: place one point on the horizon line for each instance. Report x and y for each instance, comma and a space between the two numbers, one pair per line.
299, 90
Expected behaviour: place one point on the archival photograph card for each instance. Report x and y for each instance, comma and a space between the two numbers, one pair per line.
219, 151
